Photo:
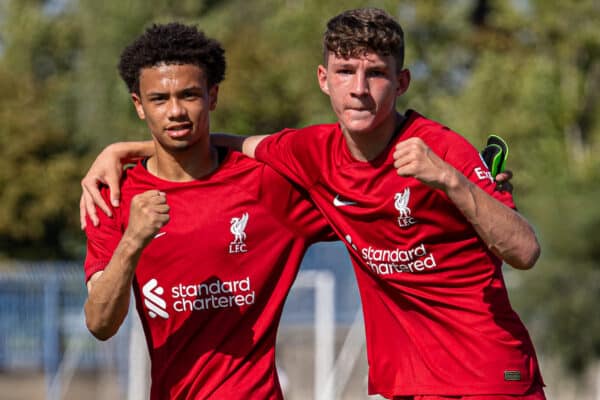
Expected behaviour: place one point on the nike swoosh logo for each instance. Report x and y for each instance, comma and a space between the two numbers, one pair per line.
159, 234
340, 203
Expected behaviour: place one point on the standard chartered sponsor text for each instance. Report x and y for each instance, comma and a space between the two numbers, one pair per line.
214, 295
386, 261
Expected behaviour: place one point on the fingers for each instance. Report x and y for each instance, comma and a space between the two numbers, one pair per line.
82, 213
151, 202
503, 181
504, 177
411, 156
92, 198
414, 158
106, 169
113, 180
90, 209
149, 212
158, 202
405, 154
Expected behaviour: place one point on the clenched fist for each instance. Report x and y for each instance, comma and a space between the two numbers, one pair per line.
413, 158
149, 212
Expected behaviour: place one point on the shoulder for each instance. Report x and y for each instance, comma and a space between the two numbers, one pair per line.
439, 137
301, 142
309, 133
135, 178
250, 175
235, 163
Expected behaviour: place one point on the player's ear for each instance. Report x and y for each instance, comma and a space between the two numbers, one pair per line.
137, 102
403, 81
322, 78
213, 95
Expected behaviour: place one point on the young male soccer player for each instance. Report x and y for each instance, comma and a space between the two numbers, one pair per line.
210, 253
411, 199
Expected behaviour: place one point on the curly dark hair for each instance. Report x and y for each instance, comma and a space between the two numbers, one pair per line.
355, 32
172, 43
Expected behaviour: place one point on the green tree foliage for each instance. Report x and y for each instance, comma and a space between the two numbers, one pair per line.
528, 70
37, 166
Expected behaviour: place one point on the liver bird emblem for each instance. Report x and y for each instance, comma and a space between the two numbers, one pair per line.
238, 226
401, 202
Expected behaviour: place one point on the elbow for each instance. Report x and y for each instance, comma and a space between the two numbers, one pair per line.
527, 257
100, 327
100, 331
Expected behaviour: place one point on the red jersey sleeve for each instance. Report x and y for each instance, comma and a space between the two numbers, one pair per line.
288, 153
102, 240
293, 206
463, 156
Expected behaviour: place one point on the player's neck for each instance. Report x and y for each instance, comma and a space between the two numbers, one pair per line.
184, 165
366, 146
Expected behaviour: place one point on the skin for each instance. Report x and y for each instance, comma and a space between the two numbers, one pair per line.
175, 102
506, 233
363, 92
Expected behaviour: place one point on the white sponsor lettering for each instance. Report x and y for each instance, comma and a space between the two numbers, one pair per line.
483, 174
386, 261
214, 295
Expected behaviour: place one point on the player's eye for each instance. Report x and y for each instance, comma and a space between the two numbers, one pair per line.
376, 73
157, 99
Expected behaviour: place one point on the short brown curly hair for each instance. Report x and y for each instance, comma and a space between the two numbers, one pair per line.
172, 43
355, 32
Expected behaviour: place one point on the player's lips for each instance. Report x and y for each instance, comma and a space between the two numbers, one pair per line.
179, 130
359, 110
358, 107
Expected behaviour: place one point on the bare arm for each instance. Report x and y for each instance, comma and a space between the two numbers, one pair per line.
245, 144
505, 231
107, 303
107, 169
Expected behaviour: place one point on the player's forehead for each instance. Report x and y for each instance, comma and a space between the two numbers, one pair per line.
367, 57
172, 76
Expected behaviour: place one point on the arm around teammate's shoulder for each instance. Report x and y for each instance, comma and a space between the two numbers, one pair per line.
245, 144
107, 170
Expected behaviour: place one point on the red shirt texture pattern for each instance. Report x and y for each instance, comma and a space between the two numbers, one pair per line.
437, 315
211, 285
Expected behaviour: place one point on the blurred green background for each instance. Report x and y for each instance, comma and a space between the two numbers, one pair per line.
528, 70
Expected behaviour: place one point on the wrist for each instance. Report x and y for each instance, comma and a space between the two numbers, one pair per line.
131, 150
131, 245
454, 180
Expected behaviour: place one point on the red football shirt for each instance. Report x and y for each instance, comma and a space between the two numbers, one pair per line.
211, 285
437, 315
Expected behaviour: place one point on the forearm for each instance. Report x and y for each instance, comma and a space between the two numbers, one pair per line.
108, 296
504, 230
245, 144
132, 150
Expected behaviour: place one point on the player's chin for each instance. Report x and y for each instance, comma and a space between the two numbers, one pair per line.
178, 145
358, 123
360, 127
